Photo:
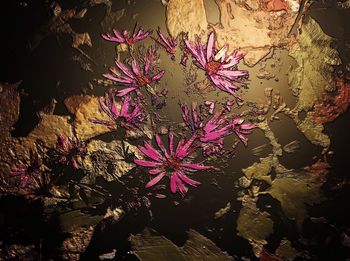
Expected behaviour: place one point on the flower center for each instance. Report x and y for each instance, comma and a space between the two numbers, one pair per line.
171, 164
143, 80
212, 67
129, 40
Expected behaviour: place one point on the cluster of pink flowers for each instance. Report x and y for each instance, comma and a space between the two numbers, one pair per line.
207, 131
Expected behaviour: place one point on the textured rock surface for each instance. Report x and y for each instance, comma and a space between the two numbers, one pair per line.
243, 24
83, 108
150, 246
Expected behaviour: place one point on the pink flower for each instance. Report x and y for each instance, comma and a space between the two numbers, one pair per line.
32, 178
216, 128
173, 162
30, 174
134, 78
219, 67
70, 151
169, 44
127, 115
124, 36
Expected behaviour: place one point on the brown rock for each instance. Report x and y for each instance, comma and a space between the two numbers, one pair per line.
85, 108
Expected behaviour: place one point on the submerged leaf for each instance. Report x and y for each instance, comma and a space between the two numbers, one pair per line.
313, 76
296, 192
149, 246
255, 226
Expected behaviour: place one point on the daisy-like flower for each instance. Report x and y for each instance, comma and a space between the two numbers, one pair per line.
169, 44
127, 115
125, 37
70, 151
29, 176
134, 78
219, 67
216, 128
174, 162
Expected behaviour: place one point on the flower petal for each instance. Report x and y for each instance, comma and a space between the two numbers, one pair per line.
158, 76
124, 69
221, 54
195, 166
125, 91
118, 35
118, 79
232, 74
155, 171
150, 152
135, 67
210, 45
155, 180
184, 151
125, 106
171, 142
102, 122
146, 163
173, 179
181, 186
161, 146
148, 61
187, 180
195, 53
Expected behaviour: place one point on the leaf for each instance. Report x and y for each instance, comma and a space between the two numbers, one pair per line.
109, 160
296, 192
83, 196
313, 76
286, 250
74, 219
85, 108
315, 58
149, 246
254, 225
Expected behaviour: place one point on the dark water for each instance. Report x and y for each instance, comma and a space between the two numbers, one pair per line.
49, 72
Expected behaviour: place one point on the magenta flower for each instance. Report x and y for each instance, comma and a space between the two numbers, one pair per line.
219, 67
125, 37
128, 115
213, 131
173, 163
169, 44
217, 127
241, 129
135, 78
30, 174
70, 151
